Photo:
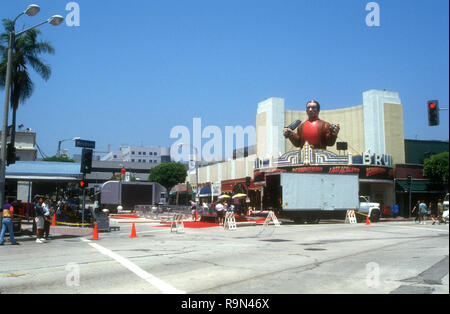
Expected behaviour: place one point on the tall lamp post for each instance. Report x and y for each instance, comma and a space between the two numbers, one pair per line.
31, 10
196, 164
58, 153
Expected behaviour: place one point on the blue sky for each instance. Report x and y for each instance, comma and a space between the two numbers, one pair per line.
135, 69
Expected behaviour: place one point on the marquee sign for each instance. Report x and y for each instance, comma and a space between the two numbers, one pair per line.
309, 160
364, 172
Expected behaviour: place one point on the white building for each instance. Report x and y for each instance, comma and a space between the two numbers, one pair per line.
147, 155
25, 145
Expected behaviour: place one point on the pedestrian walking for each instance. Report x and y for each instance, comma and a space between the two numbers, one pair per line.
432, 209
8, 214
423, 213
416, 212
47, 217
39, 219
440, 209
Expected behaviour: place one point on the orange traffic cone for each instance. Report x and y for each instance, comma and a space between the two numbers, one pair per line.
95, 235
54, 220
367, 221
133, 231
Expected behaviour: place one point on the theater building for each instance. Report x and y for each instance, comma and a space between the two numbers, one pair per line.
373, 132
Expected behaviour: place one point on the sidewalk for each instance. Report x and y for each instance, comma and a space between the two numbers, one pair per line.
62, 230
396, 219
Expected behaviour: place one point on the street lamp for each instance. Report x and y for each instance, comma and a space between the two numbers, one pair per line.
196, 164
31, 10
58, 153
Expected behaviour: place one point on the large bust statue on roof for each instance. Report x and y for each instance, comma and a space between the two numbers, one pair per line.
318, 133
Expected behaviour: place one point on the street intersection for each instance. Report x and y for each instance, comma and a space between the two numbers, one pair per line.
330, 257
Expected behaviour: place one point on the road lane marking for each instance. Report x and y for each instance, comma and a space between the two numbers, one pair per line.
424, 228
154, 281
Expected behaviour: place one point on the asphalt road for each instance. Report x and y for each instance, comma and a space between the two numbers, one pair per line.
382, 258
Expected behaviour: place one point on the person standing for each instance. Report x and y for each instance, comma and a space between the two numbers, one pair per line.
39, 219
8, 213
219, 210
193, 210
238, 207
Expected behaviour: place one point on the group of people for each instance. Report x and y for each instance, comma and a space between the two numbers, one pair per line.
433, 210
43, 212
219, 207
222, 208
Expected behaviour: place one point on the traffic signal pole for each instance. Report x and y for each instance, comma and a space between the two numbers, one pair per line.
83, 202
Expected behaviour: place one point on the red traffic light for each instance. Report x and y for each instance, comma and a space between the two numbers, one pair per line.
123, 170
82, 184
433, 112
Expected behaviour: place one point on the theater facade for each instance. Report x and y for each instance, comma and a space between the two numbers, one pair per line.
370, 143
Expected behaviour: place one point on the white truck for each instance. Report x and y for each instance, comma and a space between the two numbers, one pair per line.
369, 208
130, 194
309, 197
445, 209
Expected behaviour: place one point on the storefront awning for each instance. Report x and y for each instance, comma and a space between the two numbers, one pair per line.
43, 170
205, 191
418, 186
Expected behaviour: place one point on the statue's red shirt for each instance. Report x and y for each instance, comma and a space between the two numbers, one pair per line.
311, 133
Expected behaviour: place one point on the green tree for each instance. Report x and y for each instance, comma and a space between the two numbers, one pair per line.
58, 159
436, 167
168, 174
26, 55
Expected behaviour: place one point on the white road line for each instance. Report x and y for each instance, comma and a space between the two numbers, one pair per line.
154, 281
422, 228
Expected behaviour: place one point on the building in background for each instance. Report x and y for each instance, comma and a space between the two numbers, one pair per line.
416, 151
25, 145
139, 154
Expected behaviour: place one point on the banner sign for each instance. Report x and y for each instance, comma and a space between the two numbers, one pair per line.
364, 172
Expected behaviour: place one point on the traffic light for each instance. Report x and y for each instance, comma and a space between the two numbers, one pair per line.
248, 181
83, 184
409, 180
10, 154
86, 160
433, 112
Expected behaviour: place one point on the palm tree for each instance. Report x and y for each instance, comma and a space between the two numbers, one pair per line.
26, 53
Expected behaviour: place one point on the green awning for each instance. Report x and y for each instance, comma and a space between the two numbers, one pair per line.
419, 186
